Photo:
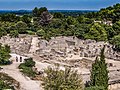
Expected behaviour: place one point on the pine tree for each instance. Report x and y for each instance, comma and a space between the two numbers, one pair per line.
99, 72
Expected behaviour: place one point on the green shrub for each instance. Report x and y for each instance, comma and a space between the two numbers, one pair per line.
30, 32
7, 82
57, 79
29, 62
4, 86
28, 72
116, 42
14, 33
27, 67
4, 55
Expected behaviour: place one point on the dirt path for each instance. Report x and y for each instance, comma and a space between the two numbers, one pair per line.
25, 82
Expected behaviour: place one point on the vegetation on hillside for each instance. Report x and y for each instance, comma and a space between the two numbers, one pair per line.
109, 13
47, 25
116, 42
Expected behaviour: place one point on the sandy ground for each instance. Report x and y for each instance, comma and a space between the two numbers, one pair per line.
25, 82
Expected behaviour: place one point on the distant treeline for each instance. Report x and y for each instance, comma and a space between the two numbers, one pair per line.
65, 12
72, 12
18, 12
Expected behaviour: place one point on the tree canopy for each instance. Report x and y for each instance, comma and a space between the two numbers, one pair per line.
57, 79
4, 55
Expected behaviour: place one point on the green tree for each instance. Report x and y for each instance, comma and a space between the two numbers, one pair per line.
81, 19
57, 79
35, 12
7, 48
116, 27
110, 32
71, 21
99, 72
3, 85
4, 55
38, 11
2, 32
58, 15
96, 32
116, 42
21, 27
10, 18
12, 27
41, 32
110, 13
26, 19
14, 33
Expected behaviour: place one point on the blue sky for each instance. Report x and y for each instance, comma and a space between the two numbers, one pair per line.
56, 4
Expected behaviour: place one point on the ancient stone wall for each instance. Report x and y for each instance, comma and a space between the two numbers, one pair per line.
19, 45
83, 48
59, 46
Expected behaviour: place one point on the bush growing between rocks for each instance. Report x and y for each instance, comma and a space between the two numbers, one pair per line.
26, 68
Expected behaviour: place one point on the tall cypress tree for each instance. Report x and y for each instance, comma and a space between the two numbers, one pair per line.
103, 70
99, 72
95, 72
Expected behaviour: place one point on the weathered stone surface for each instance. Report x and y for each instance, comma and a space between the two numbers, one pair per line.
19, 45
59, 46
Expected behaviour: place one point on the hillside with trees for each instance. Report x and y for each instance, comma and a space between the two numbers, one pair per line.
47, 25
83, 34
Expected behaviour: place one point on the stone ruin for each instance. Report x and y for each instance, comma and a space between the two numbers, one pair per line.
70, 51
19, 45
68, 46
66, 51
61, 47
